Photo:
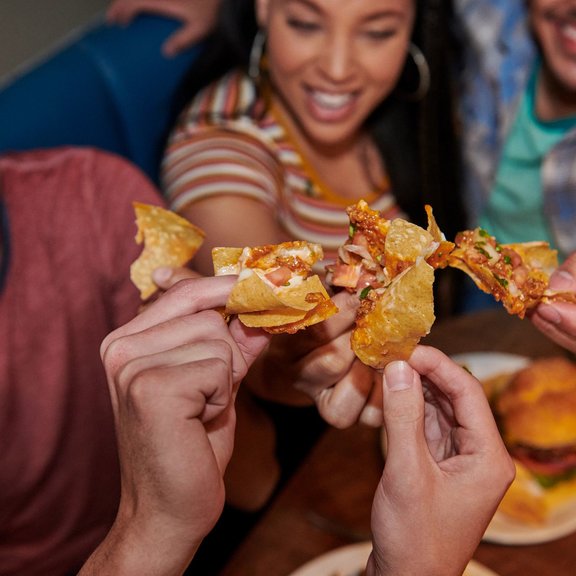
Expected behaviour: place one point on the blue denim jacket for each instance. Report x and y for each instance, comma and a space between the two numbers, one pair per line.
498, 57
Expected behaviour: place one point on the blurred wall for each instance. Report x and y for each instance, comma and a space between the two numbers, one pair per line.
32, 28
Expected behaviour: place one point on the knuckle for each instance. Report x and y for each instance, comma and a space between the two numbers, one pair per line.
336, 413
116, 352
332, 365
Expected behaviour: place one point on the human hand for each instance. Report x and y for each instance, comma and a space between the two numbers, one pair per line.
318, 365
446, 469
198, 18
558, 320
165, 277
173, 372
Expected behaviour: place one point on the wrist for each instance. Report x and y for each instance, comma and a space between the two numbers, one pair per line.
140, 549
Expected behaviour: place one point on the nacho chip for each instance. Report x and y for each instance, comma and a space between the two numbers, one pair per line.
405, 243
313, 305
440, 257
274, 290
226, 260
390, 324
390, 264
169, 240
515, 274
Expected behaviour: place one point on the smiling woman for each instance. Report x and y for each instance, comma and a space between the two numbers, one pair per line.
286, 138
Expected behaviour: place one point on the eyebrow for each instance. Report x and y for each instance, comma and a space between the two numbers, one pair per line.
384, 14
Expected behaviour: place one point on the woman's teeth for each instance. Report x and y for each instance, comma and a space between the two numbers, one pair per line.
332, 101
569, 31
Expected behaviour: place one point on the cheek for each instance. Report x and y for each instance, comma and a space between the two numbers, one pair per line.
385, 69
284, 61
562, 63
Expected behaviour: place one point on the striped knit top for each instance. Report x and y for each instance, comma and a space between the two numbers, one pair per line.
228, 141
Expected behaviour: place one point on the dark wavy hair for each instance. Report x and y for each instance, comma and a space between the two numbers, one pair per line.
416, 139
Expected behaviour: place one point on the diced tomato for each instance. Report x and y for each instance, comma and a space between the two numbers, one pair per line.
346, 275
279, 277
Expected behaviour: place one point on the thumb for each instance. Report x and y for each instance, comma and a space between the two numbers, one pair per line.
403, 414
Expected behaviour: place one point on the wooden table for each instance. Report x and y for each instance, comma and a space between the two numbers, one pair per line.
327, 502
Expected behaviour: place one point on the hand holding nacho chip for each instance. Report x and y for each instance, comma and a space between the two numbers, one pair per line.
169, 240
274, 290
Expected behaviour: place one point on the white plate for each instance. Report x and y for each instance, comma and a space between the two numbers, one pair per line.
487, 364
345, 561
504, 529
351, 560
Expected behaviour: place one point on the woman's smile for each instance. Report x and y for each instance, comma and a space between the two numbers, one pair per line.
567, 36
330, 106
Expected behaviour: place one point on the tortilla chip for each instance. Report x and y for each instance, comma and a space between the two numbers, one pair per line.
537, 255
405, 243
226, 260
169, 240
254, 294
433, 228
551, 296
541, 261
324, 308
391, 326
258, 302
440, 257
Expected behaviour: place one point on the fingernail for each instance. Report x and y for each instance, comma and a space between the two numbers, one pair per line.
398, 376
549, 313
162, 274
562, 280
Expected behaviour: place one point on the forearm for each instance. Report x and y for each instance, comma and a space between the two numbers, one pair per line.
133, 550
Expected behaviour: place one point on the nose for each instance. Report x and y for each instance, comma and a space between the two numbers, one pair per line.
337, 61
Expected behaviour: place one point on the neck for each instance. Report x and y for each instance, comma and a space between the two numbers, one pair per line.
553, 100
309, 147
350, 168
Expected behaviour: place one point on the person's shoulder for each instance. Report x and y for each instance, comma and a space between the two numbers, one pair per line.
66, 161
231, 97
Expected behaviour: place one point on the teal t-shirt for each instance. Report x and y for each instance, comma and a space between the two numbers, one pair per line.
515, 210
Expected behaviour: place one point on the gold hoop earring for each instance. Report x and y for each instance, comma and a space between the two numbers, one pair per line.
423, 71
256, 53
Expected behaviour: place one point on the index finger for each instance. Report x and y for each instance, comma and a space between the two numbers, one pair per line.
186, 297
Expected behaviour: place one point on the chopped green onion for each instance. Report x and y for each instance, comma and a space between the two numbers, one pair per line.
365, 292
502, 281
482, 251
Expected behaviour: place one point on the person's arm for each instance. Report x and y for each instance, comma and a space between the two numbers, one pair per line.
198, 18
446, 469
558, 320
226, 182
173, 373
231, 220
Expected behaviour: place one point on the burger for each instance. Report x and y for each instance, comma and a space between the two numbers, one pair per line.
536, 413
